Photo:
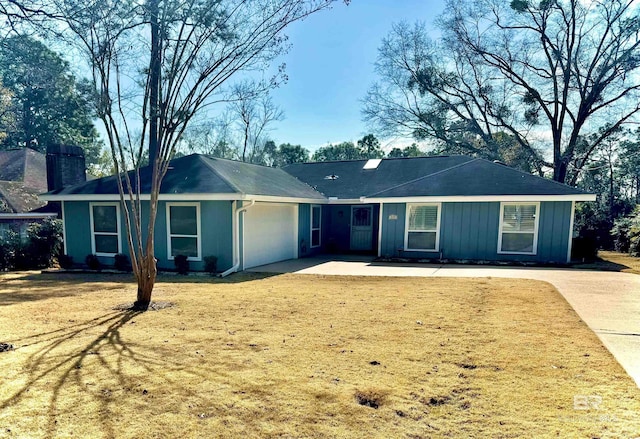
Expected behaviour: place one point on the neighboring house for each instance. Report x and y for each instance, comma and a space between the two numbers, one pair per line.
23, 175
247, 215
26, 173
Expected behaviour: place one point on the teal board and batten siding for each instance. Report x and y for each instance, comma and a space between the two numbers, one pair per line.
215, 222
469, 231
304, 230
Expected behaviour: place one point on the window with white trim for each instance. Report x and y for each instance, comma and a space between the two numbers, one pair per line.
422, 231
316, 222
105, 228
183, 230
518, 228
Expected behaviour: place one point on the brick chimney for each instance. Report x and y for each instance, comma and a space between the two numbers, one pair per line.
65, 166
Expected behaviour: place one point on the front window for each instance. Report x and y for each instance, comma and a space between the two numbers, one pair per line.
183, 227
316, 212
105, 228
423, 227
518, 228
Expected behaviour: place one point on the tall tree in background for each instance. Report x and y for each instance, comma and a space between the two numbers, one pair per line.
7, 116
180, 54
366, 148
544, 73
286, 154
241, 132
408, 151
340, 151
48, 105
371, 147
254, 112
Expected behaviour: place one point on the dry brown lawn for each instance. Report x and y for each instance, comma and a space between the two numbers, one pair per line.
304, 356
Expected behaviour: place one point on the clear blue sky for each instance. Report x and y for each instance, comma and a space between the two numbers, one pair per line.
330, 68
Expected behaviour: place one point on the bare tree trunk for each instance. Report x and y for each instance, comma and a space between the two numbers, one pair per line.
154, 81
146, 277
147, 268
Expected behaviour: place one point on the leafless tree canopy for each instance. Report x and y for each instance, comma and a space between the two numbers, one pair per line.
530, 79
157, 64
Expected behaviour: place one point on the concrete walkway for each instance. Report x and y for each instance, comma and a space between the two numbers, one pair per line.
608, 302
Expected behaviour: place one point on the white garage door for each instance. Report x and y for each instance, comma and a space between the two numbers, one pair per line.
270, 233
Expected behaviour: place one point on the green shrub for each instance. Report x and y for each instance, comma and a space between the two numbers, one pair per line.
121, 262
211, 264
8, 250
626, 233
182, 264
93, 262
65, 261
43, 243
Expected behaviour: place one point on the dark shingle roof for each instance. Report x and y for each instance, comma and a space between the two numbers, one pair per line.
438, 176
199, 174
423, 177
476, 178
353, 181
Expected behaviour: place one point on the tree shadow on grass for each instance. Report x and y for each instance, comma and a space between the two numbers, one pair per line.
58, 365
83, 368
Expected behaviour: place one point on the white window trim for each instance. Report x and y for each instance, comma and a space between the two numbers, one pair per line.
535, 228
437, 229
198, 235
319, 228
93, 232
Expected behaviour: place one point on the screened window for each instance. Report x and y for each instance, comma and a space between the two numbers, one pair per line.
316, 221
518, 228
183, 229
423, 226
105, 228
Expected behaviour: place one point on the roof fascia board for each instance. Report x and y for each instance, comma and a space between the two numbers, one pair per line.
480, 198
145, 197
275, 199
362, 200
26, 215
181, 197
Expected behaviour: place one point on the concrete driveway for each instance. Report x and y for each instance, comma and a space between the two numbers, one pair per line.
608, 302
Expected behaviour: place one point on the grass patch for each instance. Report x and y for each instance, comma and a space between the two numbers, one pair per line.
304, 356
613, 261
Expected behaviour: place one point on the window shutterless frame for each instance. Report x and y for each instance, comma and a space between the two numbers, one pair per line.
101, 233
197, 235
316, 213
534, 232
436, 230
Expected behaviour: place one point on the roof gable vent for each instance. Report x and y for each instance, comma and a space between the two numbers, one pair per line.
372, 164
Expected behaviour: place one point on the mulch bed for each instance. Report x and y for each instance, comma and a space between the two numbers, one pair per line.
153, 306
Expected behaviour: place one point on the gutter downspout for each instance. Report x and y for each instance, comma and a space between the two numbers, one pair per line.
236, 243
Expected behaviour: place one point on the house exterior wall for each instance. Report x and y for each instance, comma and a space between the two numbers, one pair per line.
469, 231
216, 233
